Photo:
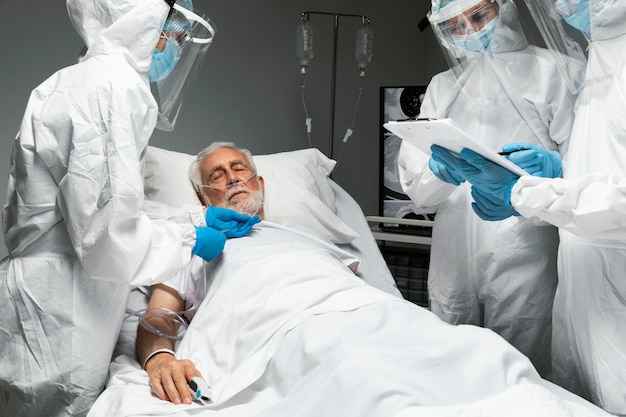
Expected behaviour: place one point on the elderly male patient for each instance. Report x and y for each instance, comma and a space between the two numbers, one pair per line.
285, 324
226, 177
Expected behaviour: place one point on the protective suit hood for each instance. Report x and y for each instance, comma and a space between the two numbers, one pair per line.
129, 27
509, 35
607, 19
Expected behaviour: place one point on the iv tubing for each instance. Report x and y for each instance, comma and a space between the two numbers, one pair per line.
305, 18
350, 130
306, 112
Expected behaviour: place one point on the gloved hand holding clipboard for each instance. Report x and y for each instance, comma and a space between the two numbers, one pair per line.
423, 133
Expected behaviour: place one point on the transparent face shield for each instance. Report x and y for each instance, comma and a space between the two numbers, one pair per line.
185, 40
567, 44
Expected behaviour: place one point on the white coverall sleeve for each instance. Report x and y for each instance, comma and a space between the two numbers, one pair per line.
101, 195
417, 180
593, 206
557, 109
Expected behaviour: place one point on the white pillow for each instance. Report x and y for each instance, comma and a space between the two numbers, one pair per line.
166, 177
297, 188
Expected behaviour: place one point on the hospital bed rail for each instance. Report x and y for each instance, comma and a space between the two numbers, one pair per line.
385, 236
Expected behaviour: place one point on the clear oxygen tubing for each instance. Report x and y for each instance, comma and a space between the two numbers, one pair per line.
363, 55
304, 51
226, 188
164, 322
167, 323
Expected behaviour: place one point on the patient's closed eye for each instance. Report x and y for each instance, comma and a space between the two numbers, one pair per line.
219, 176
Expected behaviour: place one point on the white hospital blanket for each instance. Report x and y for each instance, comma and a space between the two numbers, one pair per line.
287, 330
191, 282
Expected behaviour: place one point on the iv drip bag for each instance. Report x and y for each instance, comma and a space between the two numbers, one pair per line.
364, 41
305, 43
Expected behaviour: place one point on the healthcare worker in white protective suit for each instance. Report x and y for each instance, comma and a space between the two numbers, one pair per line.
588, 205
73, 220
500, 89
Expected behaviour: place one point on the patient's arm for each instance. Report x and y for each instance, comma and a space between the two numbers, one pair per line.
168, 375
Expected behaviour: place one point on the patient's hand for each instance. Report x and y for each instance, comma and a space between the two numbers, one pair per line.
169, 377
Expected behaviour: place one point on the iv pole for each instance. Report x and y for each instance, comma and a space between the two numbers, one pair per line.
305, 18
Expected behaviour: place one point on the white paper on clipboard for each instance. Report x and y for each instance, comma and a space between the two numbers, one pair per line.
445, 133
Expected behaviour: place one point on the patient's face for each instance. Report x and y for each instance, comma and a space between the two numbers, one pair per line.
230, 182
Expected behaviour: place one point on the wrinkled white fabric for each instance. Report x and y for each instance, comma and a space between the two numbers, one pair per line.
592, 206
73, 222
287, 330
589, 339
190, 283
501, 275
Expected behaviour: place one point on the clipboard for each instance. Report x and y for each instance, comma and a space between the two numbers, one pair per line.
423, 133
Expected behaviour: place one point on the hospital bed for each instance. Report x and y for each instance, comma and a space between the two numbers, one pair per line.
300, 191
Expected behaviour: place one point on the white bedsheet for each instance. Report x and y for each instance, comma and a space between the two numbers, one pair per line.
299, 335
373, 267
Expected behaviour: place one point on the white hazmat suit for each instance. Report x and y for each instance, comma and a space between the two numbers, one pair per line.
589, 205
501, 275
73, 220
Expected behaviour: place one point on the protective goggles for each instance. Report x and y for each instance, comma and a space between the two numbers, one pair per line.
471, 20
181, 20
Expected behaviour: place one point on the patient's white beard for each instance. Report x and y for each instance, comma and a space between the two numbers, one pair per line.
250, 206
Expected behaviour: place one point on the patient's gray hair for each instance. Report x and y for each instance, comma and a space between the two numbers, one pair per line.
194, 168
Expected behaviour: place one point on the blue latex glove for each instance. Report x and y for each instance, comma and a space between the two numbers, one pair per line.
229, 222
445, 173
451, 161
482, 173
535, 159
209, 243
487, 207
489, 177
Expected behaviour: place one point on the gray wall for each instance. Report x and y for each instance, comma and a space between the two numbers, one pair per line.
248, 89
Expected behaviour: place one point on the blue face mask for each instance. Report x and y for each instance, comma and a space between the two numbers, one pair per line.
576, 15
163, 62
478, 41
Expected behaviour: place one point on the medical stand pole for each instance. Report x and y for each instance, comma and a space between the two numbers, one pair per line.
333, 76
333, 83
